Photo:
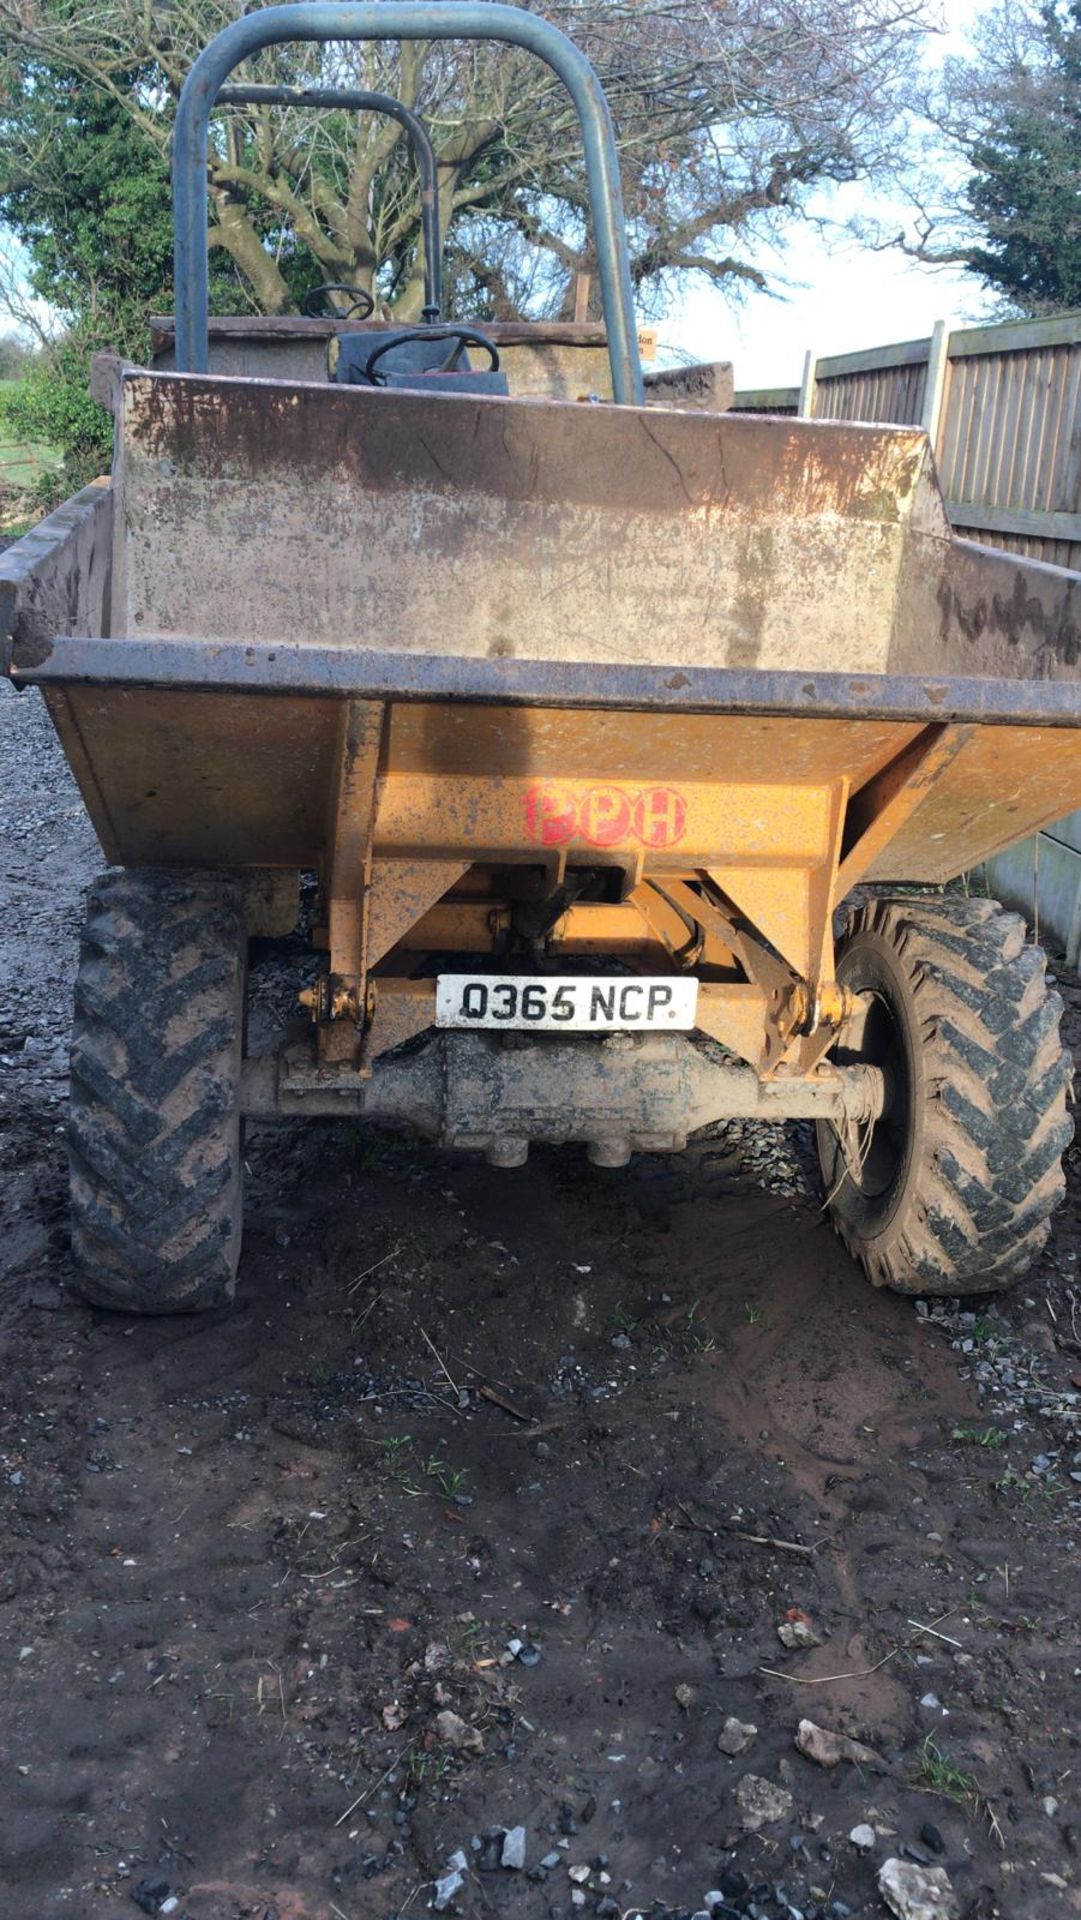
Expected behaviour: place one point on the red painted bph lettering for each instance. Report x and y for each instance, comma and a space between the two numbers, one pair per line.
605, 816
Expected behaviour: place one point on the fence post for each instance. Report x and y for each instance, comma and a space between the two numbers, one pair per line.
808, 385
938, 362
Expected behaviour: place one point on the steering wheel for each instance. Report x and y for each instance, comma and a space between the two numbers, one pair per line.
362, 305
459, 337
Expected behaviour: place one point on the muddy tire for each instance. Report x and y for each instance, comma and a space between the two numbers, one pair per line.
155, 1131
953, 1189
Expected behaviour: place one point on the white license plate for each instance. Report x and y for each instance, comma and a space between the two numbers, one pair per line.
562, 1004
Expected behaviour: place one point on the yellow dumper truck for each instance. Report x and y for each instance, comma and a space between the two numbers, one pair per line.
631, 743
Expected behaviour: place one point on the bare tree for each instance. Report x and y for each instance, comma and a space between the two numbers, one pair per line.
728, 118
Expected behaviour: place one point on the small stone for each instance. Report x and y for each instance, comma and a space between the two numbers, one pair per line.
579, 1874
622, 1342
761, 1802
149, 1893
684, 1696
932, 1838
829, 1749
458, 1862
578, 1898
513, 1855
446, 1889
797, 1630
529, 1656
736, 1736
550, 1860
1049, 1805
917, 1893
932, 1702
863, 1838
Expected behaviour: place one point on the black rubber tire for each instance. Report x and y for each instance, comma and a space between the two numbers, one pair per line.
957, 1196
155, 1129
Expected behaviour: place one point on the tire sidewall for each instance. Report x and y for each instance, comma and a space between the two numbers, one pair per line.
870, 963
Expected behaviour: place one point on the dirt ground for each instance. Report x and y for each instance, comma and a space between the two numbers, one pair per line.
263, 1575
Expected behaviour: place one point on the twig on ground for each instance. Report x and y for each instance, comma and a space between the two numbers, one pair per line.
827, 1679
753, 1539
710, 1532
445, 1370
374, 1268
997, 1834
933, 1631
500, 1400
370, 1308
376, 1784
479, 1374
781, 1546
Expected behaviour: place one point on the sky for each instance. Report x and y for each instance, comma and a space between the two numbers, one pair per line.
837, 297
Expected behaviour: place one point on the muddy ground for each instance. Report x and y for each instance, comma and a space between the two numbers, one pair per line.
248, 1561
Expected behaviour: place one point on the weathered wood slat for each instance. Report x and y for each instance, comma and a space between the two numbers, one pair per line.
1016, 336
902, 353
1019, 520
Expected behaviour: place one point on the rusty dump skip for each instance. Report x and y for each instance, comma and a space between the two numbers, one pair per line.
342, 516
667, 684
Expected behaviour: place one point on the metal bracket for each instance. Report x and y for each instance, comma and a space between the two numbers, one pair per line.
339, 1004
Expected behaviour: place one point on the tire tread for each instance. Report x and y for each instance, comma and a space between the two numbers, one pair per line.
154, 1129
995, 1121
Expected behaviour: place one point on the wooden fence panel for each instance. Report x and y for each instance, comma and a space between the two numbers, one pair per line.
892, 394
1009, 452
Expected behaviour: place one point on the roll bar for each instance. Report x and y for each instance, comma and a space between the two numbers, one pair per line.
399, 20
358, 100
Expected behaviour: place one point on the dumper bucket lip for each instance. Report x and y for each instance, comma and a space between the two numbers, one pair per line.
232, 666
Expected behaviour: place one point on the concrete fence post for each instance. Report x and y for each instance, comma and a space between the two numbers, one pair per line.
938, 363
808, 385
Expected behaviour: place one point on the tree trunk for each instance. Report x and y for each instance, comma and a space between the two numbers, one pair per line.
239, 239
